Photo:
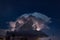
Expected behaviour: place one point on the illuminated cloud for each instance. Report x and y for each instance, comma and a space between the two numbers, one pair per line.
39, 21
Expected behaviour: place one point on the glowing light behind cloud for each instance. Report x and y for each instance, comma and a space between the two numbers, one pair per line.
38, 22
12, 25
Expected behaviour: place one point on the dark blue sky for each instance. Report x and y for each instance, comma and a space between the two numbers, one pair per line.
11, 9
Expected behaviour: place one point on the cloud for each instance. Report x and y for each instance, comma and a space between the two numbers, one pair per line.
39, 20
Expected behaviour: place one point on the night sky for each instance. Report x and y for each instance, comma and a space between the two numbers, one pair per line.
11, 9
